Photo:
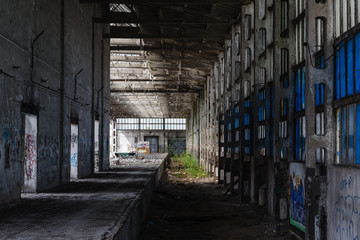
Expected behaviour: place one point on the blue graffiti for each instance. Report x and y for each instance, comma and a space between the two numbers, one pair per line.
346, 217
73, 161
345, 183
297, 202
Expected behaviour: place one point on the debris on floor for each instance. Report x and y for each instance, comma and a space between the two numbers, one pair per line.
196, 208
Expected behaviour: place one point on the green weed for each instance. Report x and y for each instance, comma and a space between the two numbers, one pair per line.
191, 166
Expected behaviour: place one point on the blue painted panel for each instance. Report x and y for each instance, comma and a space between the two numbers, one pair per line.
317, 94
337, 74
357, 137
322, 86
296, 138
357, 63
297, 91
236, 124
342, 64
351, 134
343, 135
261, 114
350, 67
246, 119
303, 89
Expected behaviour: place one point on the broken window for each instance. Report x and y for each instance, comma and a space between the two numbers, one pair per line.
237, 70
283, 129
347, 15
284, 68
262, 77
300, 134
347, 65
283, 153
319, 47
153, 124
228, 80
247, 134
299, 7
247, 58
283, 118
348, 134
127, 123
262, 152
246, 119
261, 132
300, 89
175, 123
262, 94
247, 27
228, 56
237, 43
262, 9
247, 89
262, 40
284, 24
319, 109
300, 34
283, 108
222, 76
262, 116
320, 155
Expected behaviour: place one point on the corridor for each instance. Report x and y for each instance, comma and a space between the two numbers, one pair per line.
261, 95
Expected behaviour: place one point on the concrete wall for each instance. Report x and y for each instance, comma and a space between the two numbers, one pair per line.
343, 221
43, 83
126, 140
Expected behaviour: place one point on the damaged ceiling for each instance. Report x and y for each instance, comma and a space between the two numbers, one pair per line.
163, 51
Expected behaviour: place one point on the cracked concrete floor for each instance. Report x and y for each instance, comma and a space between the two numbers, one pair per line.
183, 208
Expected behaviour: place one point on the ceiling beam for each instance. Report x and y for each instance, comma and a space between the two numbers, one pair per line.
155, 91
142, 80
119, 32
147, 2
129, 18
159, 48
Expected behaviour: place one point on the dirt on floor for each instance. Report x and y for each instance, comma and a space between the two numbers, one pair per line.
184, 208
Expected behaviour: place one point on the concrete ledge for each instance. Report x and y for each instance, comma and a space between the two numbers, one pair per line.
130, 227
107, 205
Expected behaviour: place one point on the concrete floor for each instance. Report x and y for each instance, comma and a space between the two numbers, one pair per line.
102, 206
197, 209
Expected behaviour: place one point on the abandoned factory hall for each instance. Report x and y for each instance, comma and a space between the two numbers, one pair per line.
180, 119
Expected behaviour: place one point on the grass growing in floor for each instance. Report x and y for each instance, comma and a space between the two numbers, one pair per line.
191, 168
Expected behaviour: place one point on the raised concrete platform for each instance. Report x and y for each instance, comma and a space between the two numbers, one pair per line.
108, 205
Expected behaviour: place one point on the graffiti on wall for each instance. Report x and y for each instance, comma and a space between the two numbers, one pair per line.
12, 144
346, 212
48, 149
30, 154
30, 163
74, 150
297, 196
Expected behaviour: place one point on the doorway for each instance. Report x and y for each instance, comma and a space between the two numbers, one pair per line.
74, 151
30, 154
154, 143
